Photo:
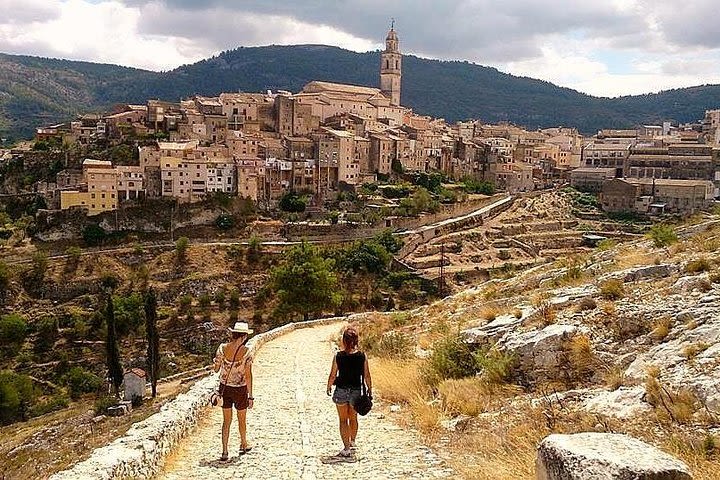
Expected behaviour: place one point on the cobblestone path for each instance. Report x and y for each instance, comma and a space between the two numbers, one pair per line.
293, 427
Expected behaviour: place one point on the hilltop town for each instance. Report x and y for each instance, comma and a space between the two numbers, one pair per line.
332, 138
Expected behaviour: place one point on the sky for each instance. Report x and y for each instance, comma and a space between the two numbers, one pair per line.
604, 48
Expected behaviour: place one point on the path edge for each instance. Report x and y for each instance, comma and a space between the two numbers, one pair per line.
141, 452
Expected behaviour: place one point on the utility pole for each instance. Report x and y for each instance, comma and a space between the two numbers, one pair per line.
172, 214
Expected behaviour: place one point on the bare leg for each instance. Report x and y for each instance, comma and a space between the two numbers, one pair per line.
343, 415
242, 427
227, 420
352, 424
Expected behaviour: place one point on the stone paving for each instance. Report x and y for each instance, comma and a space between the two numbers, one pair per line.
293, 427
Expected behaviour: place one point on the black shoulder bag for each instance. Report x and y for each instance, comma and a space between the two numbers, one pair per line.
363, 404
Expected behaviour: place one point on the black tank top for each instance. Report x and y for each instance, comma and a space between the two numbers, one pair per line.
350, 368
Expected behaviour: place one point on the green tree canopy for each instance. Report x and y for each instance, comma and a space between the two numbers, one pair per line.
304, 283
13, 330
292, 202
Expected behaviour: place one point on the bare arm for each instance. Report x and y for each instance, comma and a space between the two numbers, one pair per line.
332, 376
368, 378
217, 361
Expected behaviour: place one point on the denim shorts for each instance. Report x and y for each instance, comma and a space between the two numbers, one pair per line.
343, 395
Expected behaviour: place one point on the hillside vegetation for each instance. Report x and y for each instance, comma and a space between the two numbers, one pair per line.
623, 339
35, 91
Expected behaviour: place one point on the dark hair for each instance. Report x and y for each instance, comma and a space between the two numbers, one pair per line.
350, 338
236, 335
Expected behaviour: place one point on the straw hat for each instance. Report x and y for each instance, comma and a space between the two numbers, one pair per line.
241, 327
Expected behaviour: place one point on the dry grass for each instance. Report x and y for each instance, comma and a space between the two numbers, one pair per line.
614, 377
695, 349
489, 312
581, 355
612, 289
466, 396
401, 382
670, 406
661, 328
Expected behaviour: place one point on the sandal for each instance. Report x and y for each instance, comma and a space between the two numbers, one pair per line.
224, 457
245, 450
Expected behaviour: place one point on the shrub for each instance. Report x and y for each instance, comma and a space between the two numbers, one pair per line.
55, 403
204, 301
4, 279
219, 298
504, 254
16, 396
489, 313
399, 319
715, 277
698, 265
496, 367
47, 334
234, 300
103, 403
394, 345
292, 202
13, 330
662, 235
587, 303
224, 221
80, 381
181, 246
93, 235
451, 358
612, 289
185, 301
73, 258
254, 251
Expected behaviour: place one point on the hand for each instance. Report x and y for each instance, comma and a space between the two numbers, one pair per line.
250, 403
329, 391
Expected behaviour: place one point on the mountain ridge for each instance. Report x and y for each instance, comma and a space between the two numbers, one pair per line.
37, 90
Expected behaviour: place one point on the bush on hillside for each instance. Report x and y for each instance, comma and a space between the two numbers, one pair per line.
451, 358
13, 330
80, 381
662, 235
16, 397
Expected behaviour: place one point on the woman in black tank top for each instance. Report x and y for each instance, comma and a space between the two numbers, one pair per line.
349, 369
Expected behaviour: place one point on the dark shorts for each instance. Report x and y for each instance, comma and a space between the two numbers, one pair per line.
343, 395
235, 396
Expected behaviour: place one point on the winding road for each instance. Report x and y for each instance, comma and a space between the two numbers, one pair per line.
293, 427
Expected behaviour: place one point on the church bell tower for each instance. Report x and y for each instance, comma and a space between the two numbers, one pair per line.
391, 67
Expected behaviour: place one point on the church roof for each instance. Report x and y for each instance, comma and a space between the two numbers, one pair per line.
322, 87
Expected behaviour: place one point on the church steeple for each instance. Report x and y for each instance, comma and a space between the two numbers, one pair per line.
391, 67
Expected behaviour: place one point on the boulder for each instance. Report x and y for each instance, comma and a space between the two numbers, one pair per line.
605, 456
623, 403
538, 351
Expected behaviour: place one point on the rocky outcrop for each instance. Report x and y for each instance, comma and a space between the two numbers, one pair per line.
605, 456
623, 403
539, 351
644, 272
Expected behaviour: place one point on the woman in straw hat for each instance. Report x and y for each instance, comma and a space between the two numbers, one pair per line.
234, 362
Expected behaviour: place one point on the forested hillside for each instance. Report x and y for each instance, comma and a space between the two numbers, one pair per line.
37, 91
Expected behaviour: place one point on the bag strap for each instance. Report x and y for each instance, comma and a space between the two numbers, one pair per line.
222, 385
363, 387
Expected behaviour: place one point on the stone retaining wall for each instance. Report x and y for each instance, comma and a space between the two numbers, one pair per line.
142, 450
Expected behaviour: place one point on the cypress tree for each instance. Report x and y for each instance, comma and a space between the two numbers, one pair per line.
153, 339
115, 370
